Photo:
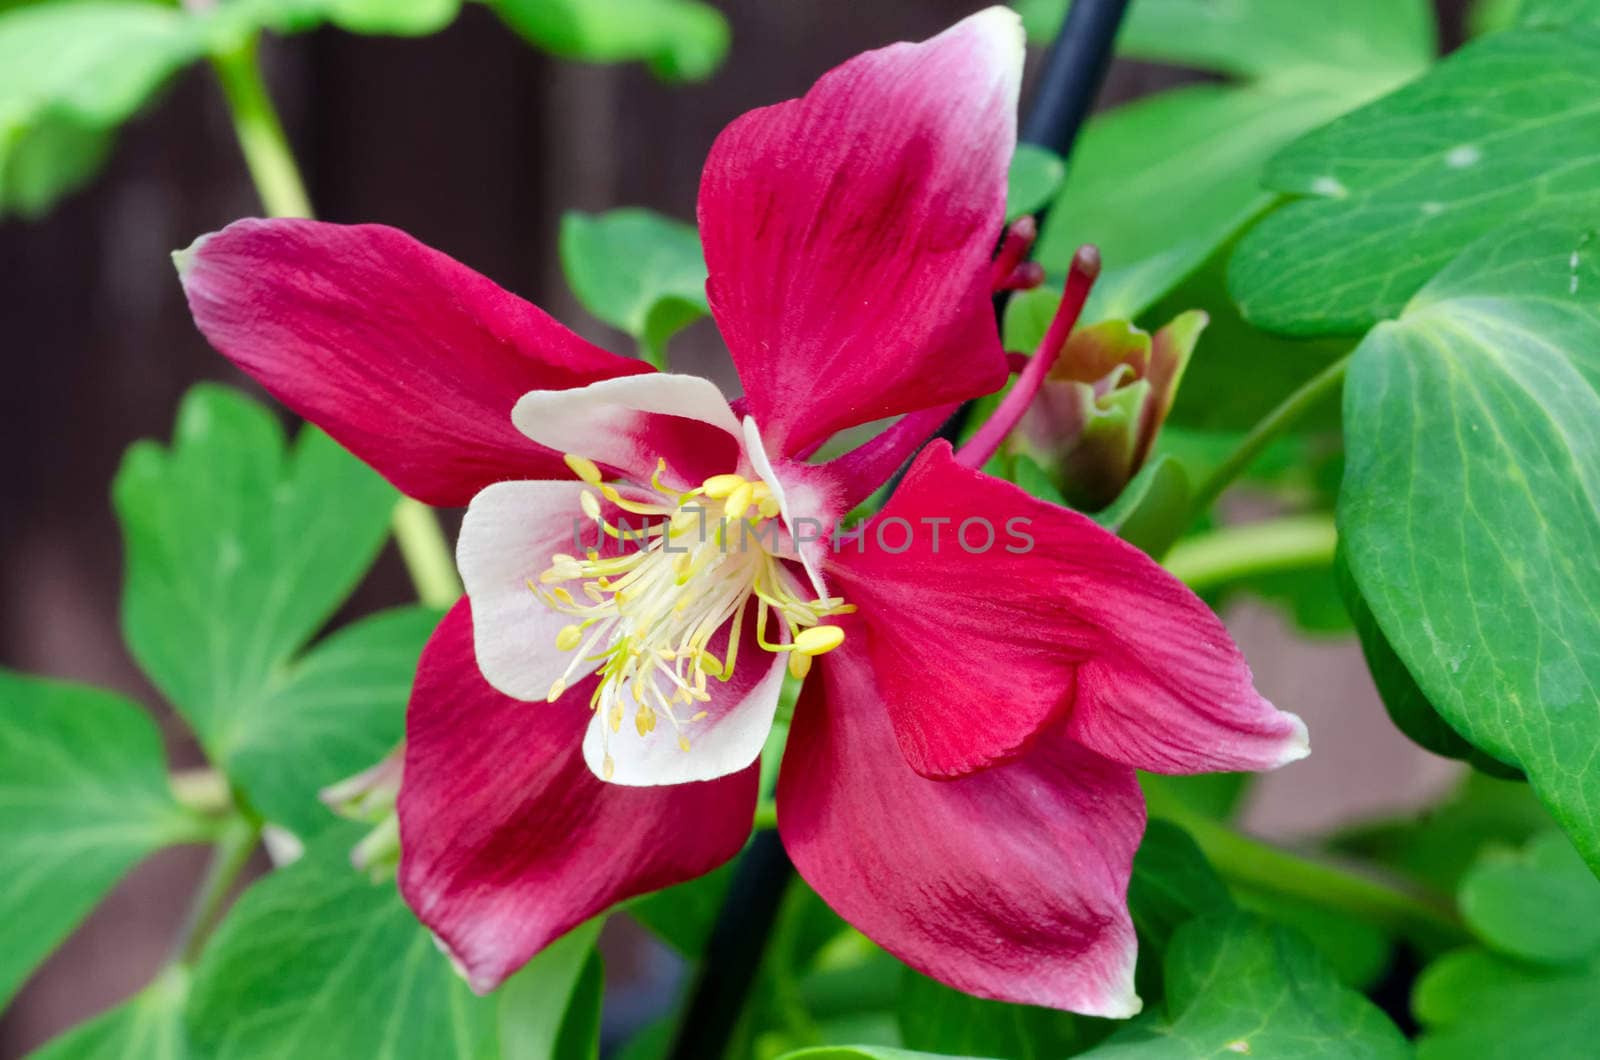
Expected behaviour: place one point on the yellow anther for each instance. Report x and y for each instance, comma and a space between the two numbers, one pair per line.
700, 715
591, 506
683, 743
710, 664
799, 665
818, 639
608, 768
722, 485
644, 721
556, 689
738, 501
568, 637
560, 593
614, 718
768, 507
583, 467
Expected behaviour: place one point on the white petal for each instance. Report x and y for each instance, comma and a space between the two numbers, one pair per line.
794, 499
628, 422
728, 739
510, 532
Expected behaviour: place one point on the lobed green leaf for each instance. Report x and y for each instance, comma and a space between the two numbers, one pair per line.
83, 797
1469, 511
1502, 132
238, 551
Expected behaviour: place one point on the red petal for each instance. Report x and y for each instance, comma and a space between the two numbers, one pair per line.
978, 651
508, 840
407, 357
1010, 884
849, 234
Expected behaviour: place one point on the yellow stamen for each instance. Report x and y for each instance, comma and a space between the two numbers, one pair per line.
718, 486
818, 639
645, 616
738, 501
583, 467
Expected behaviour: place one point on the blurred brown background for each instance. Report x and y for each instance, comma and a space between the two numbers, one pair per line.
476, 144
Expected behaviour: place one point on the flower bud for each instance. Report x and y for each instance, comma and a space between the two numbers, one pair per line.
370, 797
1096, 417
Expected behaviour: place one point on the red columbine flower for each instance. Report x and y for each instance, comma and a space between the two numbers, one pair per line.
959, 780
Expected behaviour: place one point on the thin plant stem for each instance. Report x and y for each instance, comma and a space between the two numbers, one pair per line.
260, 133
1295, 542
1255, 866
228, 859
1280, 419
277, 179
426, 554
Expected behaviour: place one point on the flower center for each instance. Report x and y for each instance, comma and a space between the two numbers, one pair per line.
646, 615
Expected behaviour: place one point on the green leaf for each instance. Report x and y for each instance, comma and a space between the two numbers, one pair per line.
1025, 472
1239, 985
1033, 180
1359, 951
1535, 998
1557, 12
1150, 510
1542, 905
1214, 396
83, 796
1468, 506
1408, 708
148, 1026
70, 74
1502, 131
335, 711
551, 1009
933, 1017
681, 40
1160, 183
1476, 1006
638, 271
1172, 883
865, 1052
238, 551
403, 18
1437, 846
315, 961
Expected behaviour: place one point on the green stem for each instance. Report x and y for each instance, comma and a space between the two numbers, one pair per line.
426, 553
260, 133
1425, 918
229, 857
1233, 552
1280, 419
283, 194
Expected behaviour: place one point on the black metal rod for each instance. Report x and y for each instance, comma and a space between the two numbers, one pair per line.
1063, 96
1070, 78
733, 952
